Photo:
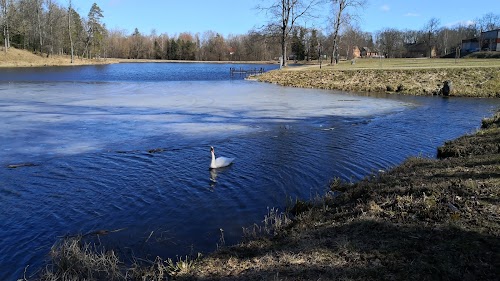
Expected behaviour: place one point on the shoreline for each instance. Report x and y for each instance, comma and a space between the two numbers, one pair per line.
16, 58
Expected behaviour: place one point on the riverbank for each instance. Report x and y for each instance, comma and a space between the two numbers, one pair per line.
469, 77
22, 58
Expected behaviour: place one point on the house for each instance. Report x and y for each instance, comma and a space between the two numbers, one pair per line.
368, 53
364, 52
490, 40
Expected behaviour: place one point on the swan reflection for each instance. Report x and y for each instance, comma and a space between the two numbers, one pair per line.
214, 173
213, 176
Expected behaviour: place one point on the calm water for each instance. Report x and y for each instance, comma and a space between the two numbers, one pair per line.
90, 133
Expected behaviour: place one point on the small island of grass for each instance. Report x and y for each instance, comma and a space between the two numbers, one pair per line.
469, 77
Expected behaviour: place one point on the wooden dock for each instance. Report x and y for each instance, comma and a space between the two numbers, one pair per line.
245, 72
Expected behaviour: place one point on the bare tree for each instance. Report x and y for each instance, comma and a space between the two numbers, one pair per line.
390, 42
341, 18
4, 6
285, 13
431, 29
487, 22
69, 30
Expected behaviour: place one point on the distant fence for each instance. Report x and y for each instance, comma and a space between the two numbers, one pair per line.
245, 72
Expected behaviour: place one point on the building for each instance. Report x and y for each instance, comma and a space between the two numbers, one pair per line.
490, 40
364, 52
470, 45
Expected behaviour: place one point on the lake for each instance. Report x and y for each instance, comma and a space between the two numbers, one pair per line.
127, 147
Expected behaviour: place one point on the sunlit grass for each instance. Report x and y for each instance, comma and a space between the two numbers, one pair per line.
469, 77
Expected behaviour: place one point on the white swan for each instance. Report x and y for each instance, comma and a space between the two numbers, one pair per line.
219, 162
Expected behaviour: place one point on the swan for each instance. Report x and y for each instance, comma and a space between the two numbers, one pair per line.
219, 162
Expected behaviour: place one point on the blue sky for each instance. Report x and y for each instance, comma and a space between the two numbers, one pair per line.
239, 16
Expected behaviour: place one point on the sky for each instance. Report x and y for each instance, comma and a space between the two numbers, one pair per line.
240, 16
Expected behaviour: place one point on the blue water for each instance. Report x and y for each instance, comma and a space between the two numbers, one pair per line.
127, 146
149, 72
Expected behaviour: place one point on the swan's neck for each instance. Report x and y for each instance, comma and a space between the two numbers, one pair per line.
213, 160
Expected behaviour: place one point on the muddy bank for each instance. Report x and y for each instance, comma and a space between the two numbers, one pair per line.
466, 81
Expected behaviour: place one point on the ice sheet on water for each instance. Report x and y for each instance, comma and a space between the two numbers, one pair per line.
69, 118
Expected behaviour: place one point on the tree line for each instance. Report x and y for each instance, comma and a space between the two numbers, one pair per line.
49, 28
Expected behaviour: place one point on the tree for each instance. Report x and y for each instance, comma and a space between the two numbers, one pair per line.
95, 29
312, 50
136, 50
284, 14
4, 7
390, 42
69, 31
487, 22
298, 48
352, 37
431, 29
341, 18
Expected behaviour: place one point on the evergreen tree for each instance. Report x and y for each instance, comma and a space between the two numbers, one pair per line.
298, 48
95, 30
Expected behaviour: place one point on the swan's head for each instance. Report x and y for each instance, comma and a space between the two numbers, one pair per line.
211, 149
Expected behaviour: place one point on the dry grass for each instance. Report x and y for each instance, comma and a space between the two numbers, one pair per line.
469, 77
23, 58
75, 259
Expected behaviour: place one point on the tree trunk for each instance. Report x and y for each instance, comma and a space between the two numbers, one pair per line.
283, 47
69, 30
6, 36
334, 59
39, 29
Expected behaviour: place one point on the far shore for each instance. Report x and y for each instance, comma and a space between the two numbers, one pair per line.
22, 58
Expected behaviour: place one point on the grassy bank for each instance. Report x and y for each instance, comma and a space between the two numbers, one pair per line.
469, 77
22, 58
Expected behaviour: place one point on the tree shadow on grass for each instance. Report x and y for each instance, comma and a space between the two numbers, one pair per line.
367, 249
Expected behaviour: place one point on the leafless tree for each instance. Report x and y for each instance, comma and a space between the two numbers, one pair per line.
487, 22
341, 17
390, 42
69, 30
431, 29
284, 15
4, 12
